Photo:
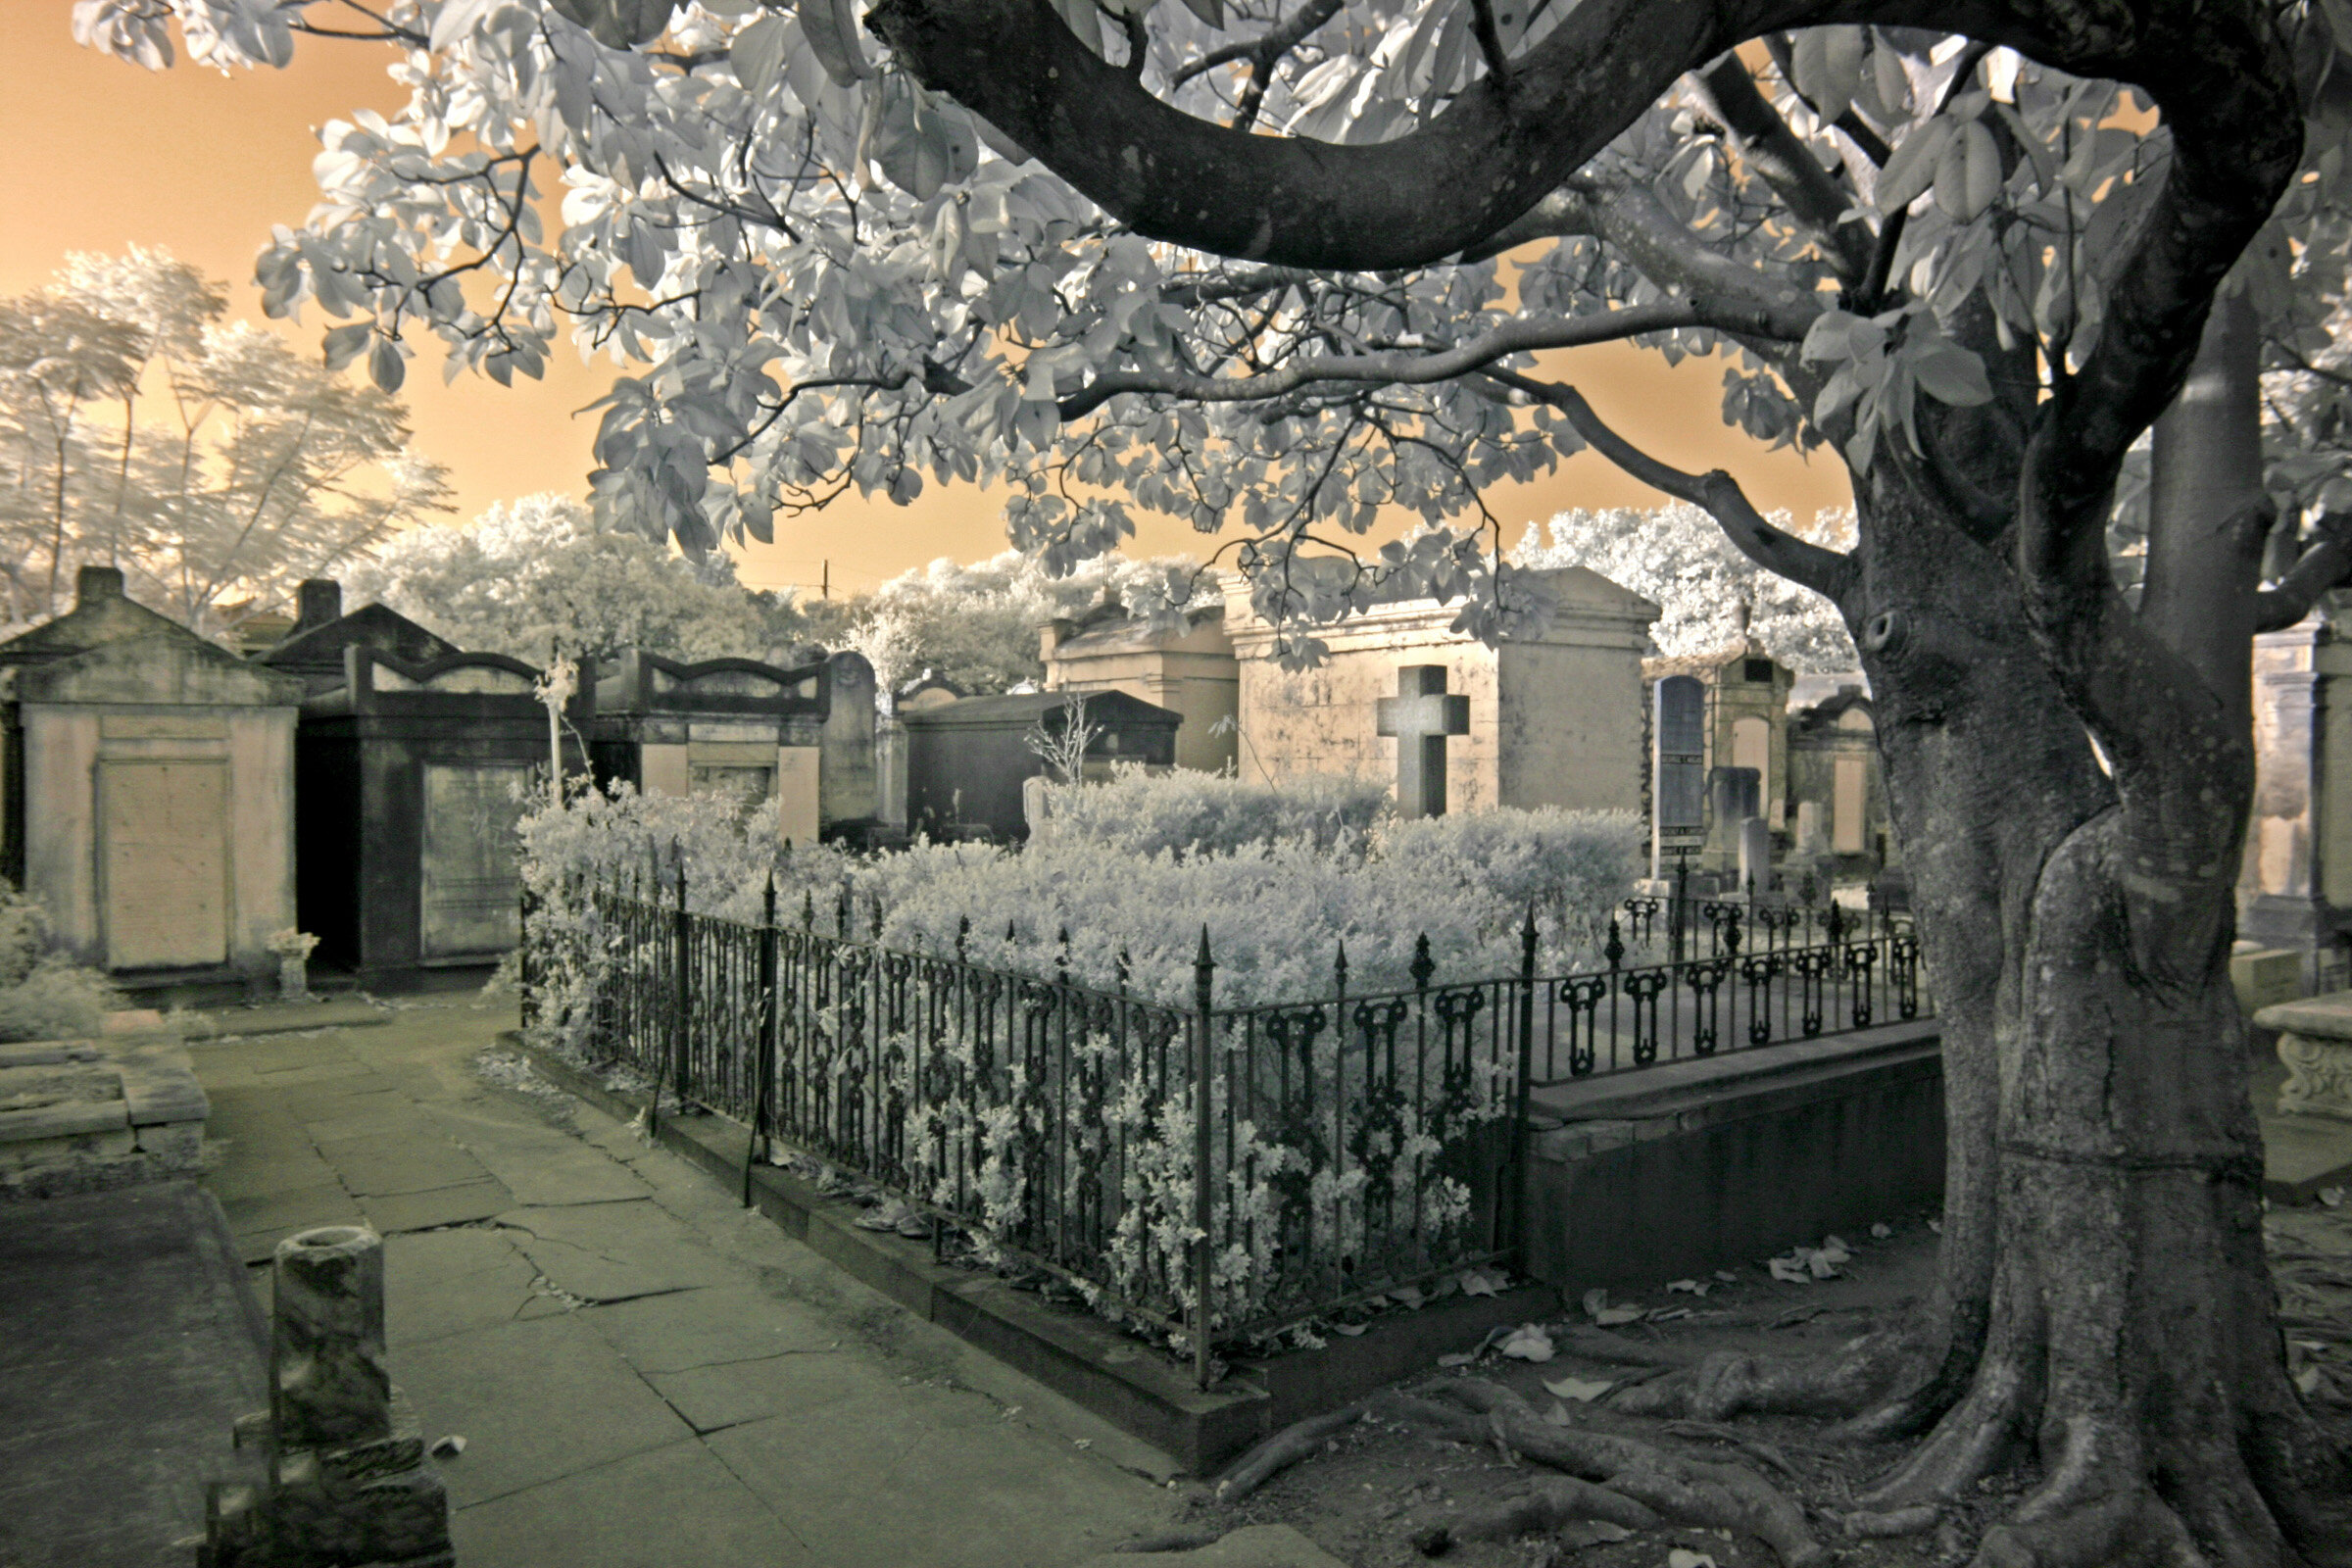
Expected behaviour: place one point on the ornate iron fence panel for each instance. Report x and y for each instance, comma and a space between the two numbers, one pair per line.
1276, 1162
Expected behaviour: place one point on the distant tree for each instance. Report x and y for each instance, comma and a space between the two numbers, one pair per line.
976, 625
1677, 558
529, 576
210, 461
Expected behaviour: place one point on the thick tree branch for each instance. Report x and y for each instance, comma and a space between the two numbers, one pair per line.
1827, 573
1520, 335
1814, 196
2324, 566
1417, 199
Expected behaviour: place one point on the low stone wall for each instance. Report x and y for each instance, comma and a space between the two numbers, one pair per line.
1678, 1170
88, 1116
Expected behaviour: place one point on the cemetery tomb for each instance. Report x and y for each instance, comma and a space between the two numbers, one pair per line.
149, 799
966, 761
1743, 722
2294, 888
1836, 799
1191, 672
725, 723
1554, 719
410, 777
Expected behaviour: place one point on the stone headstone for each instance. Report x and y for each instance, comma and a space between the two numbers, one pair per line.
1677, 767
1812, 840
1421, 715
1036, 805
1755, 855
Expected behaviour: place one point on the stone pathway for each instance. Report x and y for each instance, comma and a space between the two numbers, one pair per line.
645, 1373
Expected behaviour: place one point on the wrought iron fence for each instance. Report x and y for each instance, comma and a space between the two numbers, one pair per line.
1248, 1167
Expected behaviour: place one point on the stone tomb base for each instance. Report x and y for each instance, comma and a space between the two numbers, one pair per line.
2315, 1041
1637, 1178
90, 1116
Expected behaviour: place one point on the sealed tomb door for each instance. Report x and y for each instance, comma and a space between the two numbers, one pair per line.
163, 858
471, 881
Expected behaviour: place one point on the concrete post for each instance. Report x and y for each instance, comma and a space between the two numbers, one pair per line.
348, 1479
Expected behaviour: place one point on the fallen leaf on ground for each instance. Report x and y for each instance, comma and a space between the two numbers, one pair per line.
1407, 1297
1557, 1415
1478, 1282
1530, 1344
1457, 1358
1689, 1286
2332, 1197
452, 1443
1881, 1230
1789, 1271
1937, 1226
1352, 1330
1584, 1390
1667, 1314
1835, 1250
1823, 1265
1727, 1276
1679, 1558
1597, 1307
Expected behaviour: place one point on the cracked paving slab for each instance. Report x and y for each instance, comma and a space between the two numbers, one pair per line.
713, 1326
613, 1251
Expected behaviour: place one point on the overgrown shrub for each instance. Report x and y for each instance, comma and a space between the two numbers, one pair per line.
43, 997
1191, 814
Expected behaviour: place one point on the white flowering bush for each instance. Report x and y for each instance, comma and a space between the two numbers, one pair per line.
42, 996
1187, 813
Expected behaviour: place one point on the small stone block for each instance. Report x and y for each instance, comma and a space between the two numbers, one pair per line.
2264, 977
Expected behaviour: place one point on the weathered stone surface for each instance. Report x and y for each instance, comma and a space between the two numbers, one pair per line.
2325, 1017
704, 1327
673, 1505
2318, 1076
328, 1345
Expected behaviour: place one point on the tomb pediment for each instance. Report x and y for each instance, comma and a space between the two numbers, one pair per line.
169, 666
642, 682
467, 674
318, 650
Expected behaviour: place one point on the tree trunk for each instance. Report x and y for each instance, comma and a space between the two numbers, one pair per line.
2103, 1300
2132, 1334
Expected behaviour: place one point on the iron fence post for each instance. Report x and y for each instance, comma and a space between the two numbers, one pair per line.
522, 953
1516, 1185
1205, 970
682, 990
763, 1142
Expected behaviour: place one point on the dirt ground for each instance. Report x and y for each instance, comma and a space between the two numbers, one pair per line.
1376, 1486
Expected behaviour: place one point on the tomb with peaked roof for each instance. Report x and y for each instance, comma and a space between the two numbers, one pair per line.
148, 790
414, 761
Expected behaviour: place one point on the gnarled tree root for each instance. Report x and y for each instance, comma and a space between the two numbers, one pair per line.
1726, 1383
1688, 1491
1543, 1508
1286, 1447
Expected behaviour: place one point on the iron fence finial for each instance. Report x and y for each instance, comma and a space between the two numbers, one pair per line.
1423, 966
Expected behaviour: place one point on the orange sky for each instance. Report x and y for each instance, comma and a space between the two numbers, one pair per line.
102, 155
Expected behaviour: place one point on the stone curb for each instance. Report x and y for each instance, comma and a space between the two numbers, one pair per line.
1079, 1357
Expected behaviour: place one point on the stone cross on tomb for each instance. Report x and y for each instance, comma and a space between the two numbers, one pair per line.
1420, 716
